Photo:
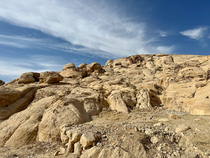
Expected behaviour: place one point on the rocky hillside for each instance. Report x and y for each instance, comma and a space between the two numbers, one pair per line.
138, 106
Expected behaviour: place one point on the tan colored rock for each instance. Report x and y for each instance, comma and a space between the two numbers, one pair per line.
109, 62
154, 139
133, 147
64, 138
182, 128
50, 77
76, 137
18, 105
77, 148
28, 77
94, 67
147, 99
82, 66
72, 113
72, 73
173, 117
69, 66
87, 140
91, 153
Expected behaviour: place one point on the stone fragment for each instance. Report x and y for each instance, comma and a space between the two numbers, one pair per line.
158, 124
77, 148
62, 150
149, 131
182, 128
87, 139
163, 120
154, 139
64, 138
173, 117
76, 137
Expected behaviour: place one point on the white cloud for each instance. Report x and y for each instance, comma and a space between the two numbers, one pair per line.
197, 33
165, 50
11, 69
97, 26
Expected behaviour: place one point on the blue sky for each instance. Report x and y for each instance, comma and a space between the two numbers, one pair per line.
44, 35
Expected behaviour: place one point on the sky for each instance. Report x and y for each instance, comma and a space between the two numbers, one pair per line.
44, 35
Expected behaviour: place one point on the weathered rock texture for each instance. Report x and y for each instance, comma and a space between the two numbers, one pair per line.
69, 106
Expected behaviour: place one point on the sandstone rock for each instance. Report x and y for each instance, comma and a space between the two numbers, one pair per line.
17, 106
72, 73
50, 77
108, 63
122, 100
71, 113
133, 147
82, 66
154, 139
182, 128
64, 138
29, 77
77, 148
94, 67
163, 120
149, 132
91, 153
76, 137
2, 82
69, 66
87, 139
173, 117
147, 99
135, 59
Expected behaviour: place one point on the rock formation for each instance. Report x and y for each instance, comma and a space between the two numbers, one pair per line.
148, 105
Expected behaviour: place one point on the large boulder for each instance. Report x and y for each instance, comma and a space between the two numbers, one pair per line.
28, 77
94, 67
71, 112
50, 77
122, 100
69, 66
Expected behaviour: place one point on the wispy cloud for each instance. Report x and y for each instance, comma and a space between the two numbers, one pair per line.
35, 63
196, 34
97, 27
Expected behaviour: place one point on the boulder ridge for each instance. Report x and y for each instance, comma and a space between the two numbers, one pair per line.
154, 105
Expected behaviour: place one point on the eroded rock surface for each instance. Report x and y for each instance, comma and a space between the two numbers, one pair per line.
148, 105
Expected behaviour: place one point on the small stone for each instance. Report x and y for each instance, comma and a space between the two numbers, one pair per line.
87, 140
182, 128
56, 153
158, 124
166, 129
173, 117
149, 131
154, 139
64, 138
77, 148
163, 120
62, 150
76, 137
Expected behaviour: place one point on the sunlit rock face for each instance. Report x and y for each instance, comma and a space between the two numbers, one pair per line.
86, 107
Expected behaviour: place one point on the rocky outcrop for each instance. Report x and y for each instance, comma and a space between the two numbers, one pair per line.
151, 92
